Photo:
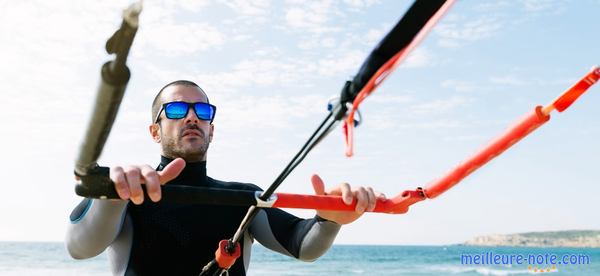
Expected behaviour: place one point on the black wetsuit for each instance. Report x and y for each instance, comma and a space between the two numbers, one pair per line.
179, 239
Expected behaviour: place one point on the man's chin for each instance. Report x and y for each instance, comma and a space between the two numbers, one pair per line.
192, 150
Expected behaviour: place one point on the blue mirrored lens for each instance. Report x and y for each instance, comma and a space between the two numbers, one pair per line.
176, 110
204, 111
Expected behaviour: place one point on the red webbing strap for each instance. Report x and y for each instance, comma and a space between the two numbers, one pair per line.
383, 72
226, 260
565, 100
513, 134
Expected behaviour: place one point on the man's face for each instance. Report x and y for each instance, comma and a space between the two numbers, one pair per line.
188, 137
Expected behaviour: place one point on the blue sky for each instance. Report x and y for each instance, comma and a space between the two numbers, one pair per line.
270, 67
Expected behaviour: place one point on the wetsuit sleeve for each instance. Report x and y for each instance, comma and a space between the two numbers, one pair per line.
304, 239
94, 225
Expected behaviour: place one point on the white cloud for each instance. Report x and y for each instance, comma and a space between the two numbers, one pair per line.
46, 30
360, 4
373, 36
276, 72
162, 74
543, 6
516, 80
316, 23
174, 39
260, 72
241, 37
161, 10
311, 17
460, 86
45, 52
439, 106
268, 112
249, 7
433, 125
465, 138
190, 5
418, 58
328, 42
271, 51
458, 30
379, 121
347, 62
317, 42
454, 33
163, 32
391, 99
508, 80
531, 7
491, 6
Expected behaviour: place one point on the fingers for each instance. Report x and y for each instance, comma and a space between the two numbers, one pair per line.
362, 199
150, 176
318, 184
347, 195
117, 175
128, 181
171, 171
132, 176
372, 199
366, 198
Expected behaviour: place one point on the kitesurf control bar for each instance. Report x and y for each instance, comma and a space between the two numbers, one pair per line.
115, 76
215, 196
397, 205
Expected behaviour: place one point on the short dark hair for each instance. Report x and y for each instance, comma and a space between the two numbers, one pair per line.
157, 102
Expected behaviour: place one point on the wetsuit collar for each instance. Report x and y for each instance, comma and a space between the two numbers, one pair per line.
194, 173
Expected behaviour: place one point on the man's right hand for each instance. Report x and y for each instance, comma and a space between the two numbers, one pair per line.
128, 181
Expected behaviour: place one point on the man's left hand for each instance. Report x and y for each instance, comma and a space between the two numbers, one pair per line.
366, 200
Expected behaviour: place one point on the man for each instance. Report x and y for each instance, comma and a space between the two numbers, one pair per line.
149, 237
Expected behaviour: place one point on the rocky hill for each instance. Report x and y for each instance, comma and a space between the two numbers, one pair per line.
571, 238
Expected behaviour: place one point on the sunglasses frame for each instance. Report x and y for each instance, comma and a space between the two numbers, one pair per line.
192, 105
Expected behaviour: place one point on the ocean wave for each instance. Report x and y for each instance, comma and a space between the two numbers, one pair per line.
482, 270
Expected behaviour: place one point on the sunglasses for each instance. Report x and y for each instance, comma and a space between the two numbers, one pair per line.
178, 110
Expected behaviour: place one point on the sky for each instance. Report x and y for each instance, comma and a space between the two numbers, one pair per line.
271, 66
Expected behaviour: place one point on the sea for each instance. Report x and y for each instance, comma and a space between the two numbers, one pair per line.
51, 258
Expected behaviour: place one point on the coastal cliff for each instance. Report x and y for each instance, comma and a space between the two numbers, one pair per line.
571, 238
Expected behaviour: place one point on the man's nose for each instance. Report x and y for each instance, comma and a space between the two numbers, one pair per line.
191, 116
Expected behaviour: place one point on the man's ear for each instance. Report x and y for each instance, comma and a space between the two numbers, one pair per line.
210, 132
155, 132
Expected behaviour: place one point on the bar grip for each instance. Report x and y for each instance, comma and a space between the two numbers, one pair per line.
97, 184
396, 205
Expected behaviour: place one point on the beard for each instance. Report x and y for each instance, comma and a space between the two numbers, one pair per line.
191, 150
